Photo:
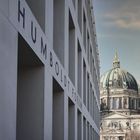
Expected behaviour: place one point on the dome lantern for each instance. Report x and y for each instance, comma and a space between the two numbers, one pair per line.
116, 61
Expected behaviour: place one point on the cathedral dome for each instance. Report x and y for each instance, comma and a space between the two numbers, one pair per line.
118, 78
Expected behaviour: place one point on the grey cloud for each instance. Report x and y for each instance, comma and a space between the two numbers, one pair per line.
126, 15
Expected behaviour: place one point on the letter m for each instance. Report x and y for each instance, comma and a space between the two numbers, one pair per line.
43, 49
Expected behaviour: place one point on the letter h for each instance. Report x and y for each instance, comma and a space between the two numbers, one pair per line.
21, 13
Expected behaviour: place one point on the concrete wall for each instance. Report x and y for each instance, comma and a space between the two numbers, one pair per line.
32, 105
8, 82
4, 7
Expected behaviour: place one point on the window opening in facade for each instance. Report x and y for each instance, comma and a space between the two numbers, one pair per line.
30, 94
58, 111
38, 9
59, 30
71, 49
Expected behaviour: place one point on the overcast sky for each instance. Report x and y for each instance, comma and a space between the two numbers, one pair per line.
118, 27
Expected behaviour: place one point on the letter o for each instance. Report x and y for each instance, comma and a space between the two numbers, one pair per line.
57, 68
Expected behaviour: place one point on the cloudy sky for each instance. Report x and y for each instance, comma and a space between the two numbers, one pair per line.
118, 27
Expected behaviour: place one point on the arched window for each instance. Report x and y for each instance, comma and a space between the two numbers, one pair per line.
120, 138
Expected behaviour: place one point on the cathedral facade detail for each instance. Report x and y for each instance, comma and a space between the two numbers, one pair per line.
120, 104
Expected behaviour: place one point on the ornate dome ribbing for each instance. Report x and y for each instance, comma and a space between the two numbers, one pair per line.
118, 78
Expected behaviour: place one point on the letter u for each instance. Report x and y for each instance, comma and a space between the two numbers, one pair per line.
33, 32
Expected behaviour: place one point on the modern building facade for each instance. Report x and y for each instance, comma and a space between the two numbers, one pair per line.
120, 104
49, 70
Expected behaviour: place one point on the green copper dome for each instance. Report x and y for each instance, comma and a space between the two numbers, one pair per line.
118, 78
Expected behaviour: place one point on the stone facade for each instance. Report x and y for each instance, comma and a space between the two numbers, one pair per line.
117, 126
49, 70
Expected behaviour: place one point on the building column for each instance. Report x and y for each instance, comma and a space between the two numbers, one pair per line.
117, 103
48, 108
111, 103
122, 102
135, 103
66, 117
127, 103
8, 76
